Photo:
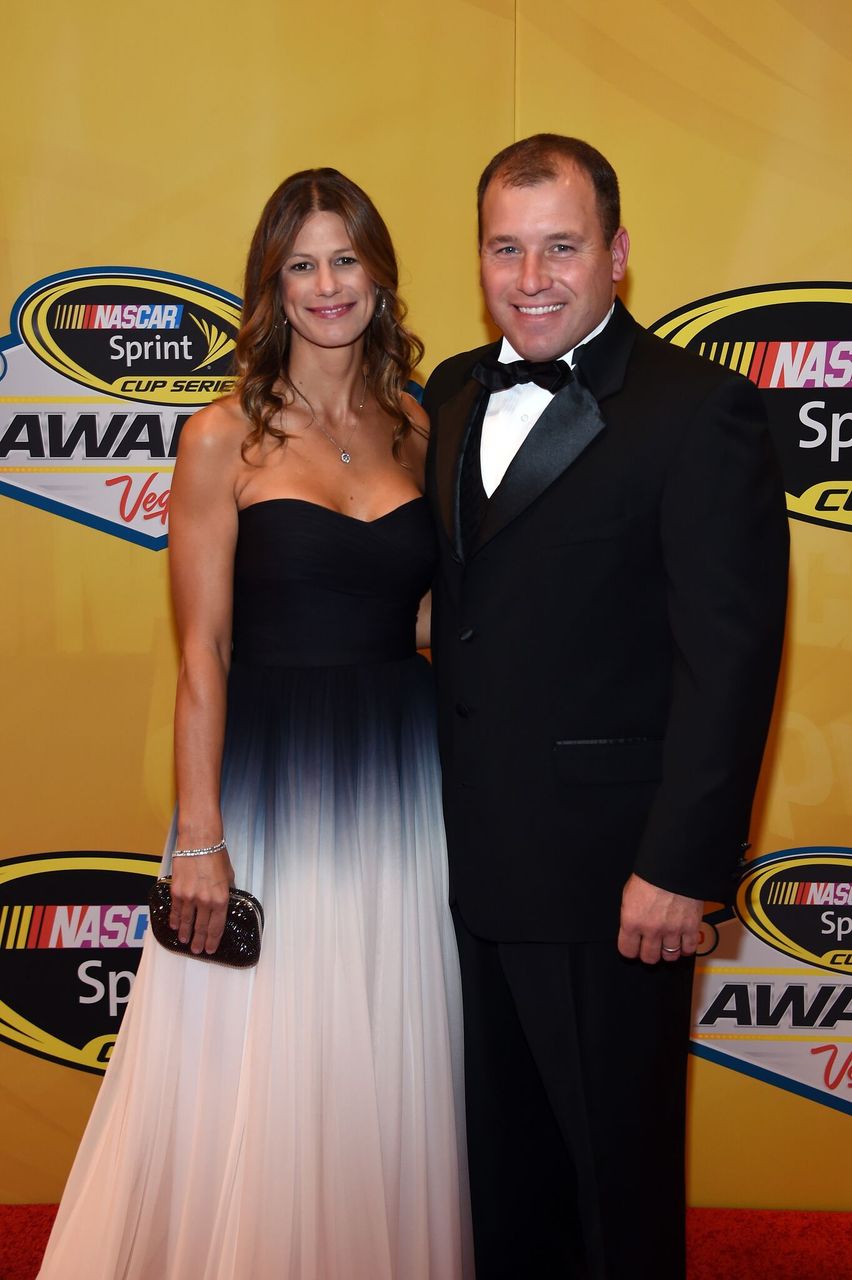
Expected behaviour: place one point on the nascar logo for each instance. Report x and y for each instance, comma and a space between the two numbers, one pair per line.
784, 907
59, 927
204, 321
781, 365
754, 1011
101, 369
113, 316
788, 339
71, 932
809, 893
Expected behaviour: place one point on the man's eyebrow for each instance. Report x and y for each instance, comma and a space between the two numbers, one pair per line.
548, 235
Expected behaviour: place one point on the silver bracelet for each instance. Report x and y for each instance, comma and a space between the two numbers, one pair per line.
196, 853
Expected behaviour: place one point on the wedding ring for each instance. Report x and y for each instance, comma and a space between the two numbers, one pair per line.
671, 950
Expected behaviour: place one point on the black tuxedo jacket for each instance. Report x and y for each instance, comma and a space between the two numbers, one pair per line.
607, 650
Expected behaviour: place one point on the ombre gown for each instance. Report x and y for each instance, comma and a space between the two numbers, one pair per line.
301, 1120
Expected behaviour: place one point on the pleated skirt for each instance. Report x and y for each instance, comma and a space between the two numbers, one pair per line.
302, 1120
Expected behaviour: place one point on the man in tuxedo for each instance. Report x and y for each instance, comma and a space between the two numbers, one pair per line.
607, 624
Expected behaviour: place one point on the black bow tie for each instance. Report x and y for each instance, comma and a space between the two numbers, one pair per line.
552, 375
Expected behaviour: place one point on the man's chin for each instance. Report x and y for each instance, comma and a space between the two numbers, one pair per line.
537, 342
539, 353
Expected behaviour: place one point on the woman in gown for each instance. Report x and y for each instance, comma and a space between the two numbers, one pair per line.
301, 1120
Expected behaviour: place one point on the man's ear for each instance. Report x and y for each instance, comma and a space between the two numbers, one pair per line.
619, 249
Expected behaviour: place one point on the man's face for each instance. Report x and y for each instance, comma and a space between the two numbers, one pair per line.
547, 274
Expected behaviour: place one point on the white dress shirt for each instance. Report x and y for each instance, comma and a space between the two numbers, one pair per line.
511, 415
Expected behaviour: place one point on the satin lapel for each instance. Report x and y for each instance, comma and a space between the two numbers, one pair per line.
602, 363
565, 428
561, 434
455, 418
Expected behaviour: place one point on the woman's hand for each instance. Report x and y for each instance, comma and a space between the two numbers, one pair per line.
200, 899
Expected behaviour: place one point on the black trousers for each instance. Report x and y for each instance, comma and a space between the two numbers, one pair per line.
575, 1079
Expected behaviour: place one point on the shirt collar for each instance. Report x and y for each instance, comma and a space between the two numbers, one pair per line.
508, 353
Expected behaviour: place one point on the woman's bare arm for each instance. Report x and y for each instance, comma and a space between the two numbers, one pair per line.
202, 539
414, 456
424, 623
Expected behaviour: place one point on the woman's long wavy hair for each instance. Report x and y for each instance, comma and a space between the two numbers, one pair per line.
391, 351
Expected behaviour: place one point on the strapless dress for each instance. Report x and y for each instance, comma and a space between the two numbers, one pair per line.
302, 1120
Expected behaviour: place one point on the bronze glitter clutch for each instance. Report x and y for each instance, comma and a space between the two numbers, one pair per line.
240, 945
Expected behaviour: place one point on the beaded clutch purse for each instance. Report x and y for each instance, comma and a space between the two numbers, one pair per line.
240, 945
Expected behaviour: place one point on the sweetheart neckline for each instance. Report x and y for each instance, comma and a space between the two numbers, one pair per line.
319, 506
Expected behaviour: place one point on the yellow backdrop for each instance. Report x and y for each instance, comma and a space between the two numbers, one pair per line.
154, 144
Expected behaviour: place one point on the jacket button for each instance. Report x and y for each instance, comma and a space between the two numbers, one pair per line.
466, 633
463, 710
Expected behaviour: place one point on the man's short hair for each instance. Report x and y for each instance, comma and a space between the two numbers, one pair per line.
535, 160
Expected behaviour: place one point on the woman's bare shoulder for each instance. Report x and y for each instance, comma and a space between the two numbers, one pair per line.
417, 416
416, 439
419, 419
216, 431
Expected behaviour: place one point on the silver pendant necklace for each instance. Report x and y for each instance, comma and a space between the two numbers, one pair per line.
345, 455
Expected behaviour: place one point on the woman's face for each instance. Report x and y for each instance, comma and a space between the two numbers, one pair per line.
327, 296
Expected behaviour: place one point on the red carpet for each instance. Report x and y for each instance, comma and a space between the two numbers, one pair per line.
724, 1244
768, 1244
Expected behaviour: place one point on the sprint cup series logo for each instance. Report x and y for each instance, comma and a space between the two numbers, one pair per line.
100, 371
71, 932
773, 997
794, 342
802, 905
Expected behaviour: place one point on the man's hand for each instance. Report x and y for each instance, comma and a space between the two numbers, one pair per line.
656, 924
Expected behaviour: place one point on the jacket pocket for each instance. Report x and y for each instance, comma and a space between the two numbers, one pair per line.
591, 761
